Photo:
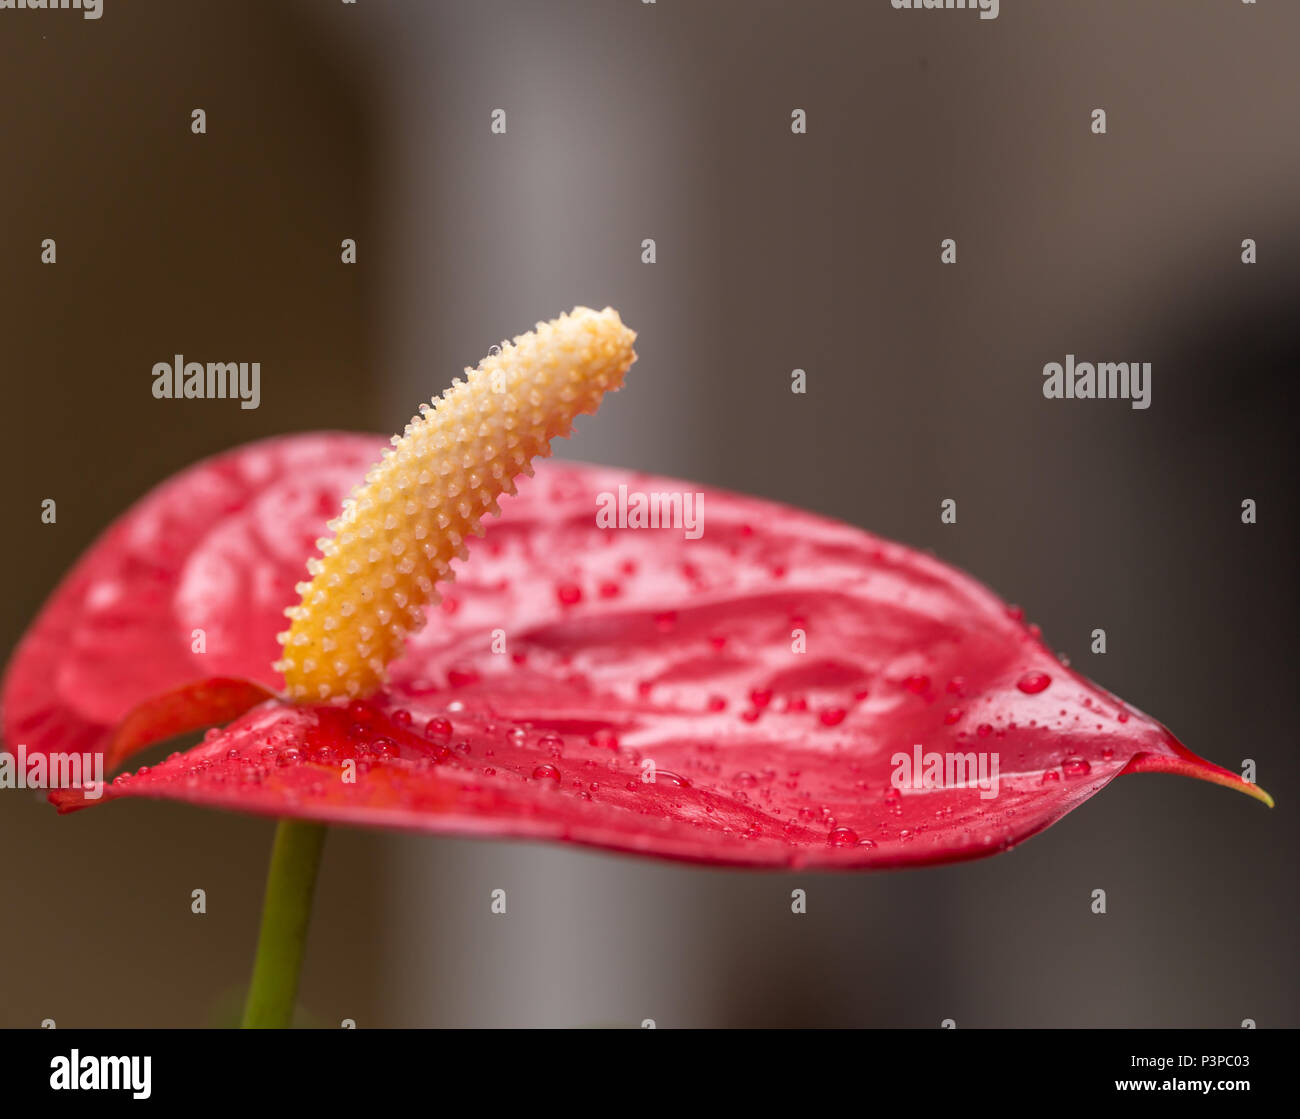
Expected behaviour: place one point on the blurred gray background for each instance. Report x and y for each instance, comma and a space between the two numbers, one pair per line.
775, 251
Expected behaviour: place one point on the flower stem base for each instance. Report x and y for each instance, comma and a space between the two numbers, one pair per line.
286, 915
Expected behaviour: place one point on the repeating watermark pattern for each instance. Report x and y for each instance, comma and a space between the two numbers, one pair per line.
89, 9
635, 509
674, 511
928, 769
217, 380
1107, 380
84, 771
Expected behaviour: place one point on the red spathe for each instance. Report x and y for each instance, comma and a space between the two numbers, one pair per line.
775, 689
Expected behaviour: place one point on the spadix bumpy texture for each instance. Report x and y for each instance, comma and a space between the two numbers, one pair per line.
399, 532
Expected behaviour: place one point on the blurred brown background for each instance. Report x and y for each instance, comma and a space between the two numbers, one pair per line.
775, 251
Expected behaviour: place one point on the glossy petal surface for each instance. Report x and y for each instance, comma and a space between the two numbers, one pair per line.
768, 675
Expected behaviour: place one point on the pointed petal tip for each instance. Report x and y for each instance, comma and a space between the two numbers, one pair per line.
1189, 765
67, 800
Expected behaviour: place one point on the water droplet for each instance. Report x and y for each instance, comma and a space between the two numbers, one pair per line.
1075, 766
917, 684
604, 740
953, 715
842, 837
760, 697
1031, 683
663, 776
438, 729
552, 743
717, 703
832, 716
569, 594
746, 780
1048, 776
984, 730
401, 717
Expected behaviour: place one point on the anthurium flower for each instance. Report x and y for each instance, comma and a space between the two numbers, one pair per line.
759, 687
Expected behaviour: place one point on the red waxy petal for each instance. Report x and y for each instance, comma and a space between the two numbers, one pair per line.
204, 703
217, 548
769, 675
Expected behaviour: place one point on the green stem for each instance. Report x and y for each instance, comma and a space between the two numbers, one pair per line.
286, 913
